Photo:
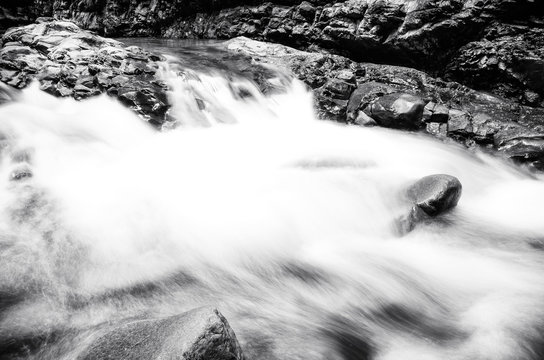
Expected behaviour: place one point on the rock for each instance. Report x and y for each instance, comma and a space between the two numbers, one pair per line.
21, 173
398, 110
68, 61
406, 223
435, 194
437, 129
522, 145
435, 113
363, 119
197, 334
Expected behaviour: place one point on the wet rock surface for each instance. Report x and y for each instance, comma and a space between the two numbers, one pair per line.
397, 110
68, 61
435, 194
428, 197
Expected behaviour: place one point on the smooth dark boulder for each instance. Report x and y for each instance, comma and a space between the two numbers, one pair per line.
398, 110
200, 334
435, 194
427, 198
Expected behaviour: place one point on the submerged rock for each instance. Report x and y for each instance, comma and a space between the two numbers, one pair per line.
200, 334
435, 194
20, 173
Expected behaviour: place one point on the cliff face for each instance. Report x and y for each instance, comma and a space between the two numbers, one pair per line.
127, 17
491, 45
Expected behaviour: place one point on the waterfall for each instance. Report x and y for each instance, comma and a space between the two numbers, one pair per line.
285, 222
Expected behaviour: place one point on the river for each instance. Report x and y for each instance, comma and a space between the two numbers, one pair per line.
284, 222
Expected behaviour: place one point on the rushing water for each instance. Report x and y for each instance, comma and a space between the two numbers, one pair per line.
284, 222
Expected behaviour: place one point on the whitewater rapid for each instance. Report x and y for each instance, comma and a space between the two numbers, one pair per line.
284, 222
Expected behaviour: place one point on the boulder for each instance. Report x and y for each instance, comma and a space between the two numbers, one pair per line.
428, 197
435, 194
398, 110
200, 334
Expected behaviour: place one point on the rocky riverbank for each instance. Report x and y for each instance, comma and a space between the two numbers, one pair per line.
69, 61
398, 97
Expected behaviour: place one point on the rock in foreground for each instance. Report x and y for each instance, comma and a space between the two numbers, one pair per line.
435, 194
200, 334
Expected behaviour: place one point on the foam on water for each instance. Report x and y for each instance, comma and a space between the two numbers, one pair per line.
284, 222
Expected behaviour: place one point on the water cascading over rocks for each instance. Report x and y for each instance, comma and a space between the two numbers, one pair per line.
71, 62
115, 235
250, 204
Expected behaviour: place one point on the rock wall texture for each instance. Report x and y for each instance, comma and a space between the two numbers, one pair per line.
16, 12
491, 45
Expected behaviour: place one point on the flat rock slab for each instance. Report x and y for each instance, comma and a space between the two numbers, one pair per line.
200, 334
